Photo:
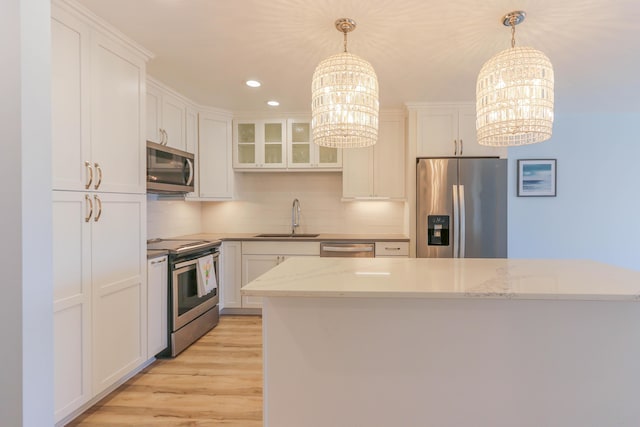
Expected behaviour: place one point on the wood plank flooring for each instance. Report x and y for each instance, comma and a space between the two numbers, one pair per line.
215, 382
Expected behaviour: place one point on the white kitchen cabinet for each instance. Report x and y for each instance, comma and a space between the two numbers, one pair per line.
71, 302
99, 207
392, 249
99, 247
260, 257
118, 151
377, 171
119, 292
157, 305
214, 159
96, 110
303, 154
230, 274
259, 144
449, 130
166, 116
70, 53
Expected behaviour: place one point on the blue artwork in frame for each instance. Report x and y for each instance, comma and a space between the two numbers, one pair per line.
537, 178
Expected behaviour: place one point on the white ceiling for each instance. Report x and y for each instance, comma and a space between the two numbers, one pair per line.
422, 50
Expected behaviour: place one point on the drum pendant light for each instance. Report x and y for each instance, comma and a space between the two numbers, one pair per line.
344, 99
514, 94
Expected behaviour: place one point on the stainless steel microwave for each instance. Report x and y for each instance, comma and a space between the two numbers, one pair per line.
169, 170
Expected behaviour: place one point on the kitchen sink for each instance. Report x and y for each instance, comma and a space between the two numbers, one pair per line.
286, 235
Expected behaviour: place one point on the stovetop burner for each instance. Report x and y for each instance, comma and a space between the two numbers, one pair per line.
176, 246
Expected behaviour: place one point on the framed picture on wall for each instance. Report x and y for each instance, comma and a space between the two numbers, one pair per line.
537, 178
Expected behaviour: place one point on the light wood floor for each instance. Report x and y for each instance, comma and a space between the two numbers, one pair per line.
215, 382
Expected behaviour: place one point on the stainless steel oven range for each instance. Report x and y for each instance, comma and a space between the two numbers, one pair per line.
190, 315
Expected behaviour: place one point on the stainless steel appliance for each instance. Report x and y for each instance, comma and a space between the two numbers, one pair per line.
461, 208
169, 171
190, 316
347, 250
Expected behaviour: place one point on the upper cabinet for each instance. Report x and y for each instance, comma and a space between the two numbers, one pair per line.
280, 145
303, 154
96, 110
259, 144
377, 172
449, 130
214, 157
166, 117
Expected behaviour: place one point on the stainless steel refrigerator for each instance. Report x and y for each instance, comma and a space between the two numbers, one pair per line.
461, 208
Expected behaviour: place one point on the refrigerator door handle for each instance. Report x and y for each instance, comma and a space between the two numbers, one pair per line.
463, 228
456, 213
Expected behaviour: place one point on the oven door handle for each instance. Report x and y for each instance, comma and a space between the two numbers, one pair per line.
195, 261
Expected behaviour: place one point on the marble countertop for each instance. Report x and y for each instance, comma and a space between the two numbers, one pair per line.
447, 278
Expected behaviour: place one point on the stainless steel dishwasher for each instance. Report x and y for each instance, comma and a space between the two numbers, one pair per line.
347, 250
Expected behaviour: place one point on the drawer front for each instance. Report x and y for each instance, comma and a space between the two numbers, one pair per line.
281, 248
392, 249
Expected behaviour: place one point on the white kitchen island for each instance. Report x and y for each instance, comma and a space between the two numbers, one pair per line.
450, 342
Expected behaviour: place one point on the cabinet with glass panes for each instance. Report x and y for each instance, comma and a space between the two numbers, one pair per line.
259, 144
304, 154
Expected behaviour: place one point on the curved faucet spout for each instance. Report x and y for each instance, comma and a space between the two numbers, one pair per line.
295, 215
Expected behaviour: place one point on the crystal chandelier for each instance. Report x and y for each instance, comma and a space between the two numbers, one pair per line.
344, 99
514, 94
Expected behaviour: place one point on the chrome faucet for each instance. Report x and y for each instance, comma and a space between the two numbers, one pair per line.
295, 215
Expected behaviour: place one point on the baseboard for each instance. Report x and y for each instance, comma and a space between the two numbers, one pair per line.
241, 311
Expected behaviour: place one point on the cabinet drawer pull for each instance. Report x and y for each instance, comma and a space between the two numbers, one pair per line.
99, 204
87, 164
99, 169
90, 204
159, 262
391, 249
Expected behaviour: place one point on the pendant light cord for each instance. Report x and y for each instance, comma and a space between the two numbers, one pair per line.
345, 41
512, 22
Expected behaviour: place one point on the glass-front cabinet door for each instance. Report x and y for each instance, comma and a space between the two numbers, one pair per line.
304, 154
259, 144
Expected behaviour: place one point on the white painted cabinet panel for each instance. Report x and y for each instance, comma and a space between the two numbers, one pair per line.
119, 295
166, 117
377, 171
117, 137
260, 257
231, 274
215, 147
157, 305
253, 266
70, 101
71, 302
449, 130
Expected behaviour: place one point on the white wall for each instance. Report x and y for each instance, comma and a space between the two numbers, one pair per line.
172, 218
26, 332
596, 213
264, 205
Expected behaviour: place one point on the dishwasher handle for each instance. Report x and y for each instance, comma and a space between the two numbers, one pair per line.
347, 250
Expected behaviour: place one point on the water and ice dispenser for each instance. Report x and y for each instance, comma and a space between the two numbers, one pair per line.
438, 230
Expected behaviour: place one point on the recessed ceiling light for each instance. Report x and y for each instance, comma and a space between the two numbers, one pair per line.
273, 103
253, 83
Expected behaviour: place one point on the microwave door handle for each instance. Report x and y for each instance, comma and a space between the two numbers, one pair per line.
190, 179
